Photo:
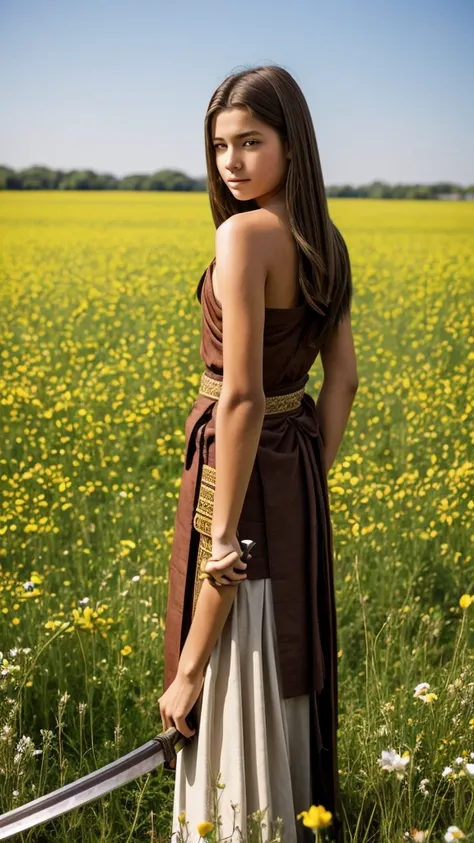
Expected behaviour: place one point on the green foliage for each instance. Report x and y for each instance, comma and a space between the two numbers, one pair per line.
99, 350
42, 178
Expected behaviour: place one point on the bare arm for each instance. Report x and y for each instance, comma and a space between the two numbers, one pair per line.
212, 608
339, 387
242, 272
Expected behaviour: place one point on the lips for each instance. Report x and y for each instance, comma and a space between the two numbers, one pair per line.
236, 181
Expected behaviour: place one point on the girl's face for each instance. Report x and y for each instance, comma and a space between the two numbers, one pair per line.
259, 157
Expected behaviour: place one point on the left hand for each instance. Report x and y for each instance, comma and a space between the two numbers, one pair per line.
176, 703
226, 565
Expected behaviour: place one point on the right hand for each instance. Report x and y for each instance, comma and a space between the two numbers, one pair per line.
226, 555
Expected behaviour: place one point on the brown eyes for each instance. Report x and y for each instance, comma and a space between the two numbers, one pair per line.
217, 145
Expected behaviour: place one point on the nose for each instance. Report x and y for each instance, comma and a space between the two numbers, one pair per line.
232, 164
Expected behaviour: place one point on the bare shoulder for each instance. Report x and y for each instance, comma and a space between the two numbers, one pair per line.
241, 255
252, 231
241, 263
262, 241
260, 218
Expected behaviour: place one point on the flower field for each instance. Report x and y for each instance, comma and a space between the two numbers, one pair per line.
99, 366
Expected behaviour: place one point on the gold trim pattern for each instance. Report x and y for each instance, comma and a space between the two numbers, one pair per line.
273, 403
202, 522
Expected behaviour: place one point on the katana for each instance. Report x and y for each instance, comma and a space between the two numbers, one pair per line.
160, 750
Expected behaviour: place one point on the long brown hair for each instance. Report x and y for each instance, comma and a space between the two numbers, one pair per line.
271, 94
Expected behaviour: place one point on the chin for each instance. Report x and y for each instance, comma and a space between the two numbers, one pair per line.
244, 194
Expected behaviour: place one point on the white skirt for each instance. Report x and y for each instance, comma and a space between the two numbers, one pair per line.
257, 741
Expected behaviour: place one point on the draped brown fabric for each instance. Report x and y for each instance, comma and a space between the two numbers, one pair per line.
286, 511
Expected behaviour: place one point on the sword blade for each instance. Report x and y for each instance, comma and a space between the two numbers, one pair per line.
130, 766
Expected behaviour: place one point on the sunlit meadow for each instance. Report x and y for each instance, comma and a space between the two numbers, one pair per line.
100, 364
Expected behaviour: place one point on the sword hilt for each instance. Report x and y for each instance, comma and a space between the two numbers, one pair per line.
171, 742
246, 545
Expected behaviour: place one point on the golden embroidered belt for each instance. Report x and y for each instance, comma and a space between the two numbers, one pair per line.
202, 520
211, 387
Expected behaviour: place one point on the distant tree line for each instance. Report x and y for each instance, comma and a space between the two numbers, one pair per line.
43, 178
383, 190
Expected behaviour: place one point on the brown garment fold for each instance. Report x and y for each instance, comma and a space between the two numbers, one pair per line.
286, 511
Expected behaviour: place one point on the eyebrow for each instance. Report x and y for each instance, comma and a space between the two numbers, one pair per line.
243, 134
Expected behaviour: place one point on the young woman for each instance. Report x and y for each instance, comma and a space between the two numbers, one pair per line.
251, 648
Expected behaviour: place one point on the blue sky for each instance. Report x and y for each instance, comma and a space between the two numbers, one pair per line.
123, 87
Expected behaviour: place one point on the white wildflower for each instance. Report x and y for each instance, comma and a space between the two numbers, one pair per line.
47, 736
453, 833
393, 762
421, 688
25, 746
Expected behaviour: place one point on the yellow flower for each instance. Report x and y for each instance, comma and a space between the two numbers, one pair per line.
428, 698
205, 828
316, 817
182, 818
126, 650
465, 601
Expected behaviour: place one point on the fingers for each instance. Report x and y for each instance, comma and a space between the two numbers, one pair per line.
234, 576
183, 727
240, 565
179, 723
230, 578
231, 564
163, 716
231, 559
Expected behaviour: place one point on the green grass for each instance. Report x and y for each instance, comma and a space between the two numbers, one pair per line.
99, 350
